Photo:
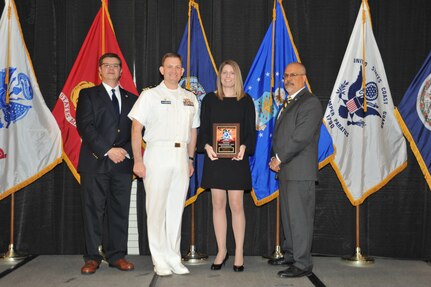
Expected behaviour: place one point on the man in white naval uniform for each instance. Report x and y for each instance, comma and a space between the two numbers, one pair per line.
170, 116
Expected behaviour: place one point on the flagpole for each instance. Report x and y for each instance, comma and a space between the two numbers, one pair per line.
103, 26
358, 259
193, 256
11, 255
100, 247
364, 81
191, 2
9, 11
274, 17
278, 253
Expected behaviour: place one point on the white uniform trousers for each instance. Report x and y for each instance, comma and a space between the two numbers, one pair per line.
166, 184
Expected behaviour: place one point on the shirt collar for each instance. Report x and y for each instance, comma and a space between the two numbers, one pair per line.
108, 88
165, 87
295, 94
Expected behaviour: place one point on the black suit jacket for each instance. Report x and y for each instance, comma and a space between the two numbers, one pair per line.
101, 129
296, 136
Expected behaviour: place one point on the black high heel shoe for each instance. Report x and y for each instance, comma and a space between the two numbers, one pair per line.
238, 268
218, 266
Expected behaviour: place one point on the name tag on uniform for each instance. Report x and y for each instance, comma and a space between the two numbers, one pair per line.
188, 102
165, 102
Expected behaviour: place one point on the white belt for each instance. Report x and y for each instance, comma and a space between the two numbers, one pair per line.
168, 144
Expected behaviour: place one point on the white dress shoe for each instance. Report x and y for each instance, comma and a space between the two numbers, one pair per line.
179, 269
161, 271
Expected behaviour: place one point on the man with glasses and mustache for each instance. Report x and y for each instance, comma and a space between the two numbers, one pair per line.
295, 148
105, 165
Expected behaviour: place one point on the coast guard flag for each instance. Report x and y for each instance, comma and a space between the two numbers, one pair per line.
30, 140
268, 99
200, 77
84, 74
371, 149
414, 116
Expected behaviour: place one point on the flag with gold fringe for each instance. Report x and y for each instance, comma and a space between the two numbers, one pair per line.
99, 40
264, 84
414, 116
370, 146
30, 140
200, 77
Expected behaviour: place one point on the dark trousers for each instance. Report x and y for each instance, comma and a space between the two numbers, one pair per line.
106, 195
297, 205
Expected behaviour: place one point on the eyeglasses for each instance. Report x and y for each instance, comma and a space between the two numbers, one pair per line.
292, 75
108, 66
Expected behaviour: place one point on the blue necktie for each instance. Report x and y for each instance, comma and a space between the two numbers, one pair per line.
115, 102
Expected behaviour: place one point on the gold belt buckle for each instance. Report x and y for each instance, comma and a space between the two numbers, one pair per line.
177, 145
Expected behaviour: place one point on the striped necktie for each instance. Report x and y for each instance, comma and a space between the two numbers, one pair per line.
287, 101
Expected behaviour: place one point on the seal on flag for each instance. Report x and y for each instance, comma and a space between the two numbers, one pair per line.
423, 103
19, 91
195, 87
352, 107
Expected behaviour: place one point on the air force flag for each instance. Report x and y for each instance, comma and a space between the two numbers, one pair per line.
370, 146
264, 84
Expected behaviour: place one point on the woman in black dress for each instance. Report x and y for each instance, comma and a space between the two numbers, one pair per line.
228, 177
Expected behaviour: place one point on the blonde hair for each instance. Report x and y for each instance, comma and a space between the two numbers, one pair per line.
239, 86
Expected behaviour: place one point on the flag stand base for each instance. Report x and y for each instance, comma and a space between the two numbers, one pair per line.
11, 255
102, 253
194, 257
358, 260
277, 254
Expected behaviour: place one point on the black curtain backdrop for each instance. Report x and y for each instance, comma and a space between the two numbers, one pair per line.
395, 221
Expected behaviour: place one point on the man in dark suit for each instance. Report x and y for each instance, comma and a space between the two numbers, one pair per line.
105, 165
295, 147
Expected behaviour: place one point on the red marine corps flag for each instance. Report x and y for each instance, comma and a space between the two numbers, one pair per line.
100, 39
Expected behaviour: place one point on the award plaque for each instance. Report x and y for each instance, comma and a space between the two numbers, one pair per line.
226, 139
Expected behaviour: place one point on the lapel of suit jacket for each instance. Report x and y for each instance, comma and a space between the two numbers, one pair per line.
124, 102
295, 100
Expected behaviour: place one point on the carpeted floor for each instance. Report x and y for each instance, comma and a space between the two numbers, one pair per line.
63, 270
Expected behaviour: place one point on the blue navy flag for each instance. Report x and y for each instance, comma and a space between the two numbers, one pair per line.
414, 117
200, 77
264, 84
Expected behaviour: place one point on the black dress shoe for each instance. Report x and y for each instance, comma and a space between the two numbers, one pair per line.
218, 266
280, 261
238, 268
294, 271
